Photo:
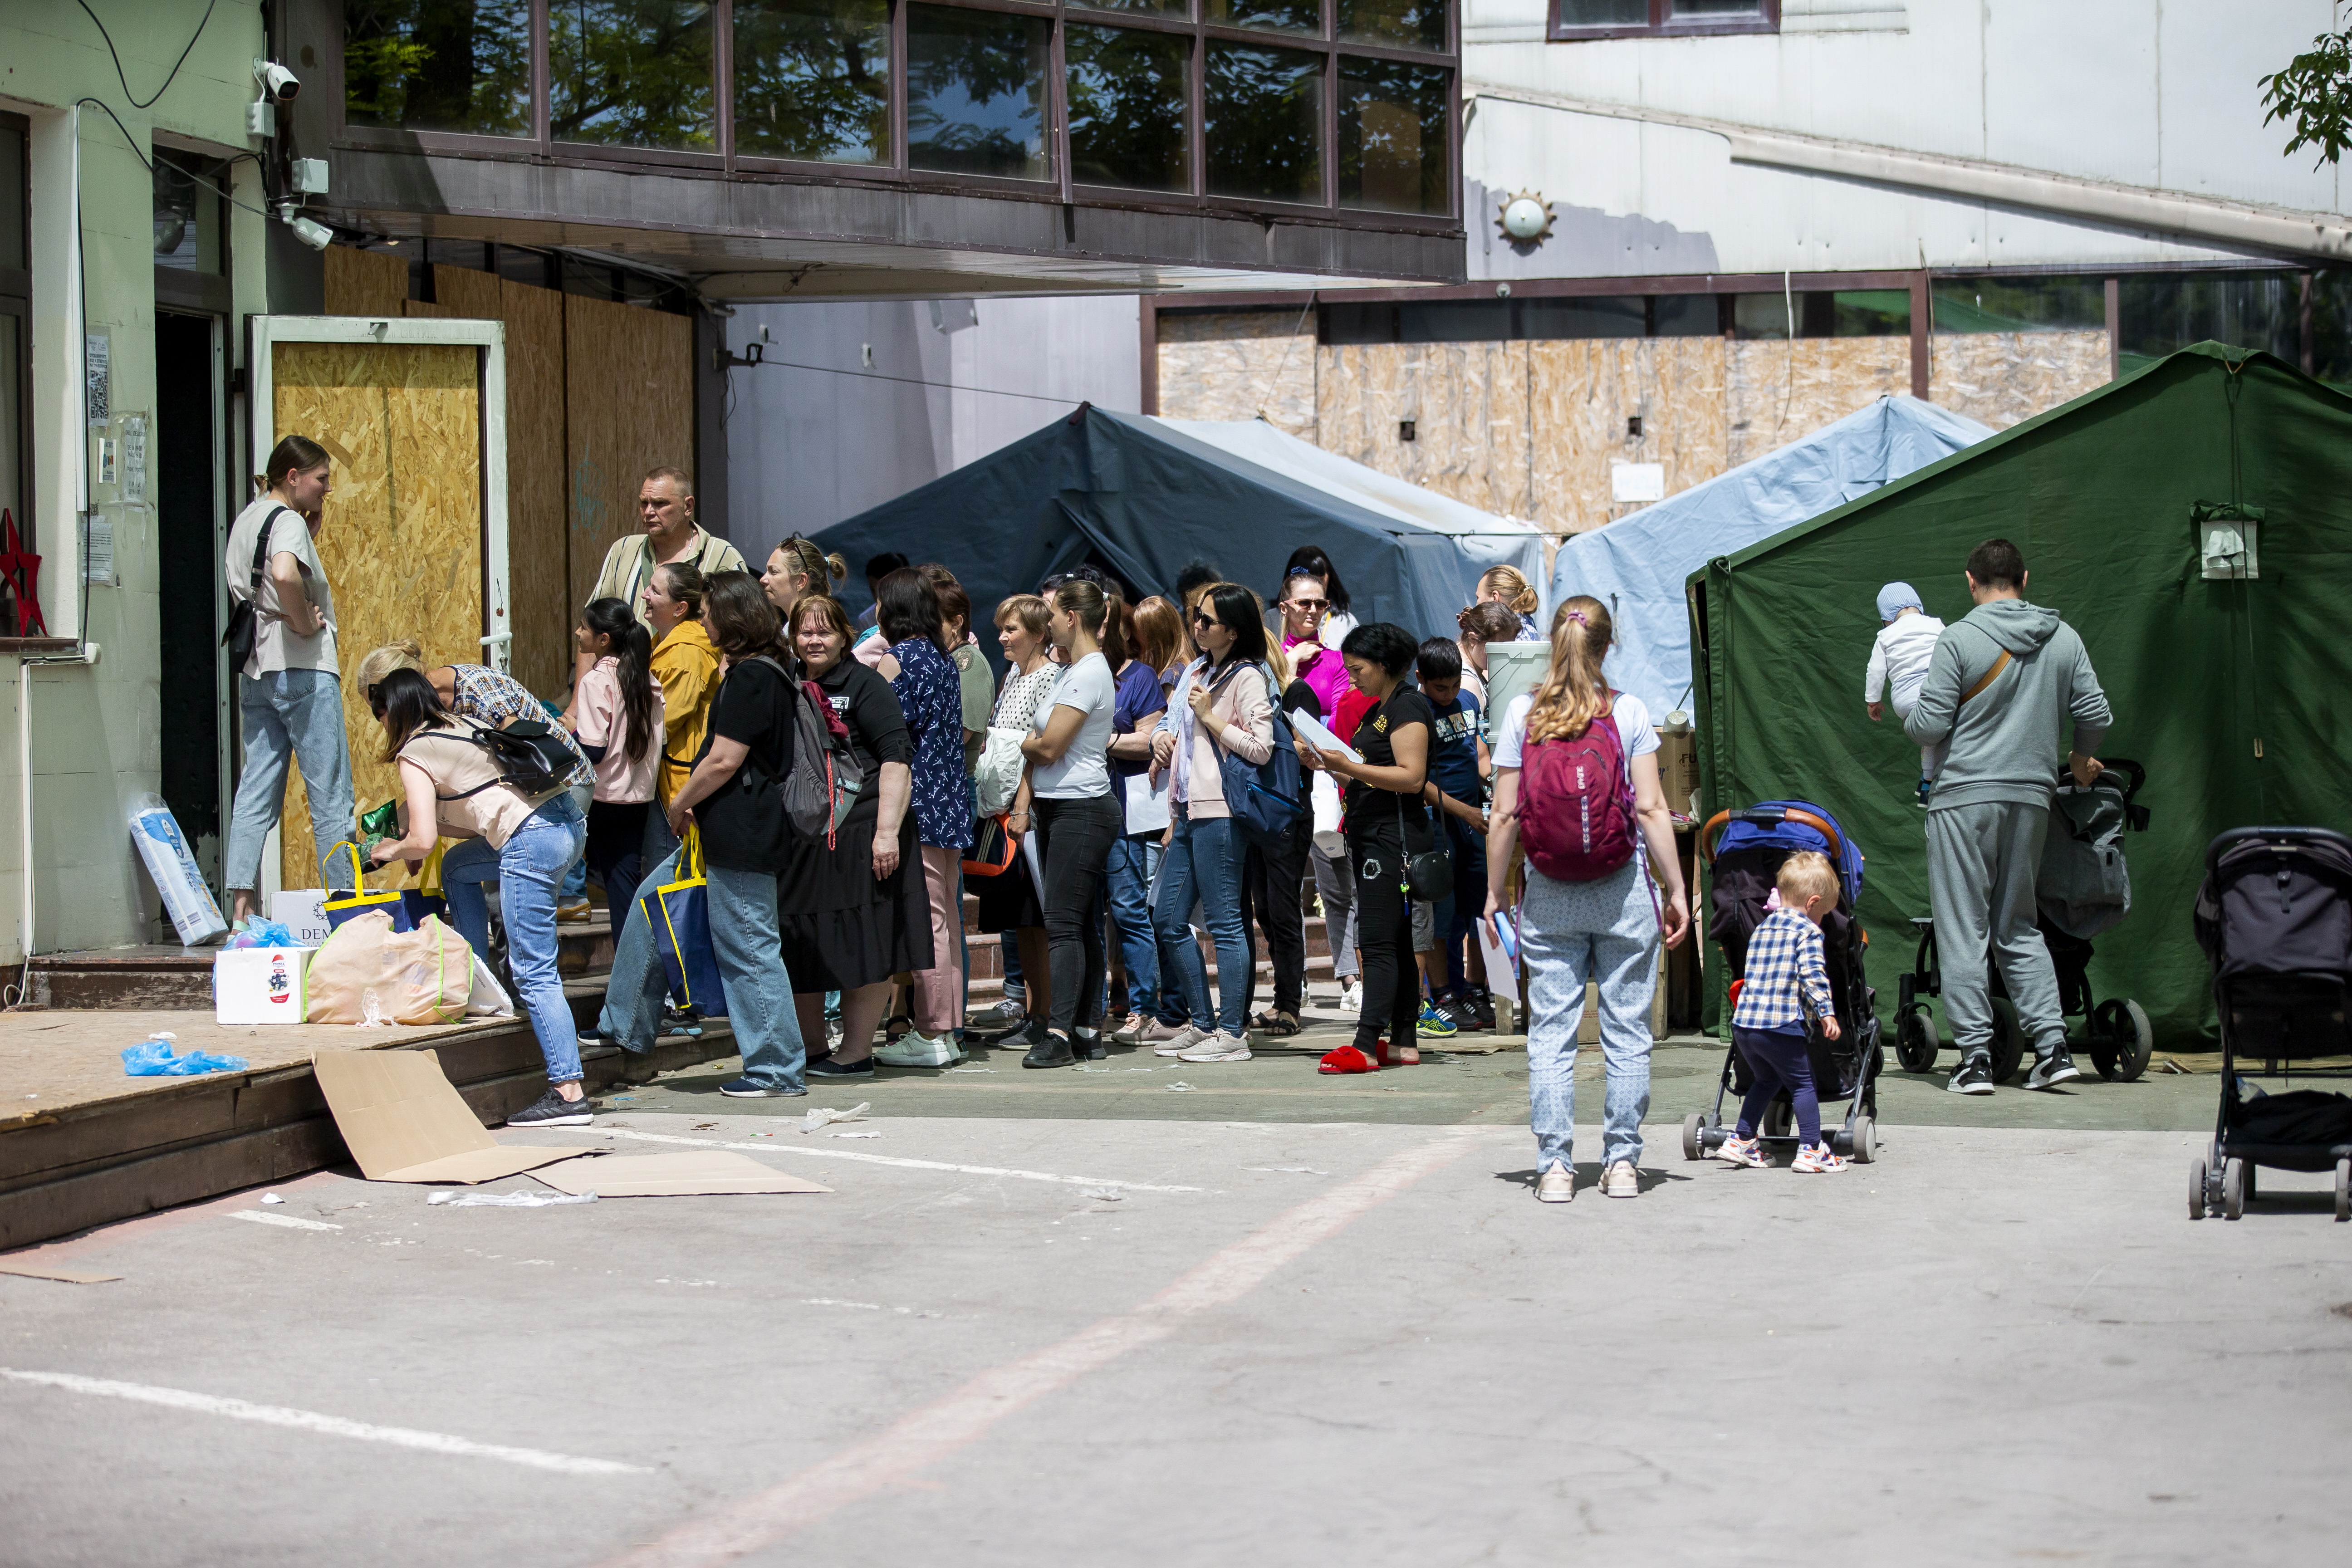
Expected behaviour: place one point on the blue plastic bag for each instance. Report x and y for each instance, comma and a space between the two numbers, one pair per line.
153, 1058
679, 915
259, 932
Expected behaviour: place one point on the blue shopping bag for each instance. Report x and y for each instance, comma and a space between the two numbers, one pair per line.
678, 914
406, 906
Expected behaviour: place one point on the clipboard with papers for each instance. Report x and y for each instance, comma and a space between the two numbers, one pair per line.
1318, 734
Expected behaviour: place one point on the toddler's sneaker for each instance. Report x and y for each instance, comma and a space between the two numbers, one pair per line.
1925, 787
1351, 996
1434, 1024
1816, 1157
1742, 1152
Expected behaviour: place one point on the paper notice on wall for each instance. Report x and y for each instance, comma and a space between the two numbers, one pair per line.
98, 352
134, 459
98, 553
1637, 481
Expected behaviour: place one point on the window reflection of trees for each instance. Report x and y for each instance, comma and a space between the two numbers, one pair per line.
976, 92
1264, 110
1393, 136
631, 73
438, 65
813, 79
1129, 116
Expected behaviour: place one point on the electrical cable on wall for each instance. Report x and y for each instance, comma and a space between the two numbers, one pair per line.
916, 380
168, 80
197, 179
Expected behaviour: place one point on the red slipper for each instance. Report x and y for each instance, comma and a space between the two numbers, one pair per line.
1348, 1059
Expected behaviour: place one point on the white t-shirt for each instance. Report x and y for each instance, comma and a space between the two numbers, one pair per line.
605, 722
1634, 732
1336, 627
275, 646
1084, 770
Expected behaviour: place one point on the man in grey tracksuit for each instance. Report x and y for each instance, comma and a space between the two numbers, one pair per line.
2002, 683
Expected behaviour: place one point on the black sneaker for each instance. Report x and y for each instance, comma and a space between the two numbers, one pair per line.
1088, 1047
1054, 1052
1973, 1075
2053, 1069
744, 1088
834, 1067
552, 1109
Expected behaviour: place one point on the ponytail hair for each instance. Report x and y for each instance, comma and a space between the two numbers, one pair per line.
634, 647
805, 560
1573, 692
298, 454
686, 585
1519, 594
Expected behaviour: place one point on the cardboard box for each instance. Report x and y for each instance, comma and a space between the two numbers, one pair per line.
261, 985
1678, 766
302, 911
404, 1122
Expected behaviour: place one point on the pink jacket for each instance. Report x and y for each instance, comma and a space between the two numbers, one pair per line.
1245, 708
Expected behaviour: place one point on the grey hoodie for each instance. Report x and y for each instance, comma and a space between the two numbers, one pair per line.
2005, 739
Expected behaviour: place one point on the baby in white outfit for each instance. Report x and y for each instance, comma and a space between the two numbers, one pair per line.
1899, 666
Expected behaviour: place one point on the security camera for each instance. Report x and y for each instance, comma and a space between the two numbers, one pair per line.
278, 83
316, 235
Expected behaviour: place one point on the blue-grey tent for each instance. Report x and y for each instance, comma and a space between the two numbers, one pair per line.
1143, 498
1638, 564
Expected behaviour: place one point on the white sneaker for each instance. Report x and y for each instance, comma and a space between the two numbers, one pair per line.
1557, 1185
1134, 1031
1351, 996
916, 1049
1219, 1047
1182, 1041
1620, 1182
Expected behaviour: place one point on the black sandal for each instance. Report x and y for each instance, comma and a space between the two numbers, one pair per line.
1278, 1025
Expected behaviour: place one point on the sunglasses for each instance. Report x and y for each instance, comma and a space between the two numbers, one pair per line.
1202, 618
1307, 605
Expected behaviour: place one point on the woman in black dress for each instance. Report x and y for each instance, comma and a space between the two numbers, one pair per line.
856, 913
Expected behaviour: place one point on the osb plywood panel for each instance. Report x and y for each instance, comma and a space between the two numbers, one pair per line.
2004, 378
364, 283
429, 310
538, 575
1239, 366
401, 538
1586, 391
628, 375
1468, 403
1773, 397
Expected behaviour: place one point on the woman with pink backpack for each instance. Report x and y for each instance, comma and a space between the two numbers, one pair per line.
1576, 784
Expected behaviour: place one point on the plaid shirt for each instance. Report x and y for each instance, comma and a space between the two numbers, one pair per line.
1784, 960
496, 700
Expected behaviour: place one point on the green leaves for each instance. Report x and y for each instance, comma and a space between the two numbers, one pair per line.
2314, 94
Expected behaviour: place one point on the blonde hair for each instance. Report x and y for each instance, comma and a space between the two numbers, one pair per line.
1807, 874
380, 662
805, 560
1572, 693
1519, 596
1159, 632
1026, 608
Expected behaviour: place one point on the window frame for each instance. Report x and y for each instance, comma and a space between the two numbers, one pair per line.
1660, 25
16, 301
725, 161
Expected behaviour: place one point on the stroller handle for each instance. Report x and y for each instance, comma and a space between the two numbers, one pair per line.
2230, 840
1768, 816
2133, 774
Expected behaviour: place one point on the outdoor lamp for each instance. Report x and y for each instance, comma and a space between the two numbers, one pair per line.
1525, 220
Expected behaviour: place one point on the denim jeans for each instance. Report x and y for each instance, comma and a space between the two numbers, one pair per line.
1570, 933
526, 870
1134, 861
297, 714
749, 948
1204, 860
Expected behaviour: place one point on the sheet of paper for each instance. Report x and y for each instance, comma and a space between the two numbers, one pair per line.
1147, 807
1318, 734
1036, 867
1498, 944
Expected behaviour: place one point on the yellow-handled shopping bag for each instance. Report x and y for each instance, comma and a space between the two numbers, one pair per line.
406, 907
678, 914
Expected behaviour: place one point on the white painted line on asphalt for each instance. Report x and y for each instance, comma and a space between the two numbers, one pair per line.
781, 1147
263, 1216
330, 1425
919, 1439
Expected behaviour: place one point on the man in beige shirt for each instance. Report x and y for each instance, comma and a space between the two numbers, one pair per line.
666, 508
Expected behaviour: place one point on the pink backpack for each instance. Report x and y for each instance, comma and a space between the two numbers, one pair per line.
1576, 819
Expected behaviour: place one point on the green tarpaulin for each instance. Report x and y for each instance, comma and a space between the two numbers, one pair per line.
2233, 693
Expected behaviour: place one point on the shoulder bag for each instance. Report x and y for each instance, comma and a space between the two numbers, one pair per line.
245, 617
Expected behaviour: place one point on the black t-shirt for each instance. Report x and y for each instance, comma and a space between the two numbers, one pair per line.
743, 824
878, 729
1374, 813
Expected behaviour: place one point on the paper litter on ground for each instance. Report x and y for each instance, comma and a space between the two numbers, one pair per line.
858, 1135
507, 1200
1179, 1088
821, 1117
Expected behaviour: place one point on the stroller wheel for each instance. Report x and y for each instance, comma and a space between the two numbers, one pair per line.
1778, 1118
1915, 1043
2343, 1191
1865, 1140
2197, 1194
2234, 1189
1692, 1148
2009, 1041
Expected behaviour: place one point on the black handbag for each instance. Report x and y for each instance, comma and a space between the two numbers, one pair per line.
1428, 876
244, 616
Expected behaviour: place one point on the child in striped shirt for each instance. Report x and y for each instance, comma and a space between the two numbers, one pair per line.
1787, 979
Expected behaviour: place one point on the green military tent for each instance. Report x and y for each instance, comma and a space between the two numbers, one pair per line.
2233, 691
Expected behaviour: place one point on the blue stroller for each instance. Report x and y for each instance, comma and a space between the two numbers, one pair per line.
1746, 861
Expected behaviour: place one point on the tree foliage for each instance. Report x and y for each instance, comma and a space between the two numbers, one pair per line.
2313, 94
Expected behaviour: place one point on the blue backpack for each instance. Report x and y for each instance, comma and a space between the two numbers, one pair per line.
1267, 800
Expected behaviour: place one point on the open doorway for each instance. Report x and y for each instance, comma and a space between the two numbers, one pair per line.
189, 500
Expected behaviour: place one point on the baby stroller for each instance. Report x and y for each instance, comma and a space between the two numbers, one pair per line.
2275, 916
1747, 863
2082, 888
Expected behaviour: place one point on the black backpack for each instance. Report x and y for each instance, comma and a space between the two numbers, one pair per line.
529, 754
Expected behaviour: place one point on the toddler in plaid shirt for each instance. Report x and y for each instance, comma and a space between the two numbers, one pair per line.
1786, 980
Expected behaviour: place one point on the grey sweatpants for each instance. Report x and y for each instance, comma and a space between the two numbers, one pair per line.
1980, 865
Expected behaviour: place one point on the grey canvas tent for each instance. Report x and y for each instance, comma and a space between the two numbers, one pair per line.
1143, 498
1637, 564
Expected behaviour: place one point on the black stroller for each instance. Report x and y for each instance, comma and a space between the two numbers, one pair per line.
2083, 889
1746, 863
2276, 918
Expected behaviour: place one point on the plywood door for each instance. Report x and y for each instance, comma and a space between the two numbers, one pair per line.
629, 380
402, 537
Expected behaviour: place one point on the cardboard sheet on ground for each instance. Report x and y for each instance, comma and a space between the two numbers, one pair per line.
700, 1173
404, 1122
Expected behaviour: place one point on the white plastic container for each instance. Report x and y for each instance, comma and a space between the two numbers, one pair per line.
261, 985
186, 900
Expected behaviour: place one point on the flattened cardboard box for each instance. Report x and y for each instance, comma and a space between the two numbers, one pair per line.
404, 1122
702, 1172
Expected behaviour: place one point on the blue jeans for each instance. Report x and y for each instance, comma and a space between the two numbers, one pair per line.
1204, 858
527, 871
1133, 862
1604, 931
750, 947
297, 714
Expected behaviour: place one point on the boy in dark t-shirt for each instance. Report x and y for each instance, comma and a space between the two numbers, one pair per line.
1459, 767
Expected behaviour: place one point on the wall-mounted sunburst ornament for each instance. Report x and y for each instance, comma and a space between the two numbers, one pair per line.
1525, 218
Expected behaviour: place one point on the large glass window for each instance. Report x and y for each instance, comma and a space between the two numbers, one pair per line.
1268, 15
16, 371
2018, 304
976, 92
813, 79
631, 73
1854, 313
1398, 24
1615, 18
1178, 9
438, 65
1131, 114
1393, 137
188, 213
1265, 110
2159, 312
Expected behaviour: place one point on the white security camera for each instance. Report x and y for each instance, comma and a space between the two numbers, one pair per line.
278, 83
